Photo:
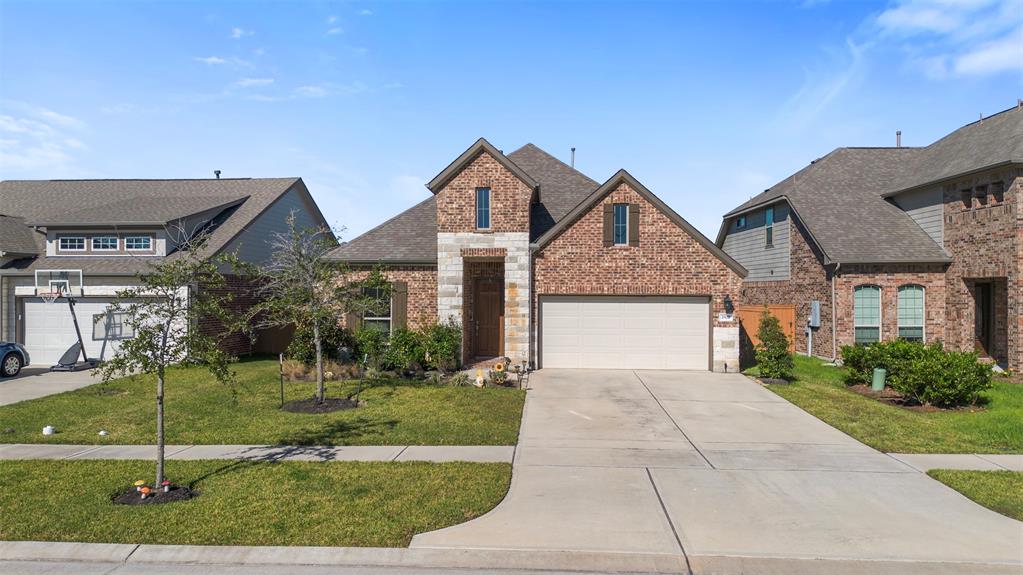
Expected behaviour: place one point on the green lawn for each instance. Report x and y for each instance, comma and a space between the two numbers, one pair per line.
1000, 491
241, 503
996, 429
199, 410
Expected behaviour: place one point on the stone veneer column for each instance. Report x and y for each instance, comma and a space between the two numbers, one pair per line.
516, 283
726, 348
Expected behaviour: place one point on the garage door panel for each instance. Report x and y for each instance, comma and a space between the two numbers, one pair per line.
50, 331
625, 333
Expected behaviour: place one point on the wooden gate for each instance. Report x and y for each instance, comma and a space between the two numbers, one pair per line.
749, 320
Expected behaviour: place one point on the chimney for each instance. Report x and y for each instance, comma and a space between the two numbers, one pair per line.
898, 138
1019, 103
216, 173
573, 158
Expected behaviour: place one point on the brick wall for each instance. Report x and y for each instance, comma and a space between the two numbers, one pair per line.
667, 261
984, 236
509, 198
809, 281
889, 278
422, 291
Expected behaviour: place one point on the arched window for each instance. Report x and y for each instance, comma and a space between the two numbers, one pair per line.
867, 314
911, 312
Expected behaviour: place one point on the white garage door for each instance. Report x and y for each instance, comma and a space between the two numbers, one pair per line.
625, 332
49, 330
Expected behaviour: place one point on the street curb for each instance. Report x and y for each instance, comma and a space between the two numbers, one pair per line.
44, 551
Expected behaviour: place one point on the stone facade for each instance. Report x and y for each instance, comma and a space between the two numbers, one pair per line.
667, 261
809, 281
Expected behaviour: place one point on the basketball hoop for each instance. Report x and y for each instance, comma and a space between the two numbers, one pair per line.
50, 296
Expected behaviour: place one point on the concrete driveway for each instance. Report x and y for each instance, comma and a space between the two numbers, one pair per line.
35, 382
725, 475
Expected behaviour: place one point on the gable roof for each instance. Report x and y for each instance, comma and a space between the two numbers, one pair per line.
609, 186
112, 202
16, 237
411, 236
481, 146
837, 198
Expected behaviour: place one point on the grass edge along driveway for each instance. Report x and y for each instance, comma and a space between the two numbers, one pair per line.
819, 390
999, 491
352, 504
202, 411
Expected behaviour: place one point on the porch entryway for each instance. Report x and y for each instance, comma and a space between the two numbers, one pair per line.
990, 317
483, 320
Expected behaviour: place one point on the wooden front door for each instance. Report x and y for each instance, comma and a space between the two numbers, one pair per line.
982, 318
489, 314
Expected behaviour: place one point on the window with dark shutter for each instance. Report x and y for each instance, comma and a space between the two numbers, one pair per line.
399, 305
608, 225
633, 225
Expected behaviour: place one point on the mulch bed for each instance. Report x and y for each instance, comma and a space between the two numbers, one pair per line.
328, 405
177, 493
891, 397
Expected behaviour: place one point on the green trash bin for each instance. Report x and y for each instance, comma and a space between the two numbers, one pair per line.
878, 382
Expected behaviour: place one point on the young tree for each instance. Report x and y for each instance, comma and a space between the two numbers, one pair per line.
300, 287
165, 310
773, 355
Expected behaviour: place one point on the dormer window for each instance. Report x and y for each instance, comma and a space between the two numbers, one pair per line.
138, 243
483, 208
740, 222
72, 244
104, 243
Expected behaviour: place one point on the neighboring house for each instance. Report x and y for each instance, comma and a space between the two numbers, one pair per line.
914, 243
92, 237
539, 263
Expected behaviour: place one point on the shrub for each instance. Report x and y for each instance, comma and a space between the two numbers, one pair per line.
926, 373
334, 338
773, 357
406, 351
373, 344
442, 343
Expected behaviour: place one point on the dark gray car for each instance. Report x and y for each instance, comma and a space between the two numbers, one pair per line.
13, 357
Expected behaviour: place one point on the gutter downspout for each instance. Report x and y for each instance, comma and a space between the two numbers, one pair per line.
834, 314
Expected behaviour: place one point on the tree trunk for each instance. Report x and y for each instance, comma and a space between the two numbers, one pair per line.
159, 428
321, 391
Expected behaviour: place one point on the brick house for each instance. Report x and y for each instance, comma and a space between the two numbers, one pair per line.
541, 264
918, 243
91, 237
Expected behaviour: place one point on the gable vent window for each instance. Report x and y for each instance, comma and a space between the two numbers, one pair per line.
483, 208
104, 243
867, 314
740, 222
911, 313
769, 223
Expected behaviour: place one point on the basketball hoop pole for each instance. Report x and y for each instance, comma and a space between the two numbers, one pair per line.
78, 331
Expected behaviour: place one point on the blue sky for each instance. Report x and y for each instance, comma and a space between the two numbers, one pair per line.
705, 103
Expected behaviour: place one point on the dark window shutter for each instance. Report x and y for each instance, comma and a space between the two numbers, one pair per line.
399, 305
633, 224
609, 225
353, 321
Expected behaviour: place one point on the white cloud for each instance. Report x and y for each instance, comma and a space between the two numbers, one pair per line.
37, 142
335, 30
238, 33
253, 82
365, 12
957, 37
822, 86
331, 19
212, 60
310, 91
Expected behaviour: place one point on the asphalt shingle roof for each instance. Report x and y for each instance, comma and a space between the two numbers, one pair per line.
411, 236
840, 197
114, 202
16, 237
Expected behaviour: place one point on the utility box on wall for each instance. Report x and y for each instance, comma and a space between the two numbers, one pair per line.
815, 313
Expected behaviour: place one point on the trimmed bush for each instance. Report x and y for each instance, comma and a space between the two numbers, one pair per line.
443, 345
928, 374
334, 338
406, 352
372, 343
773, 357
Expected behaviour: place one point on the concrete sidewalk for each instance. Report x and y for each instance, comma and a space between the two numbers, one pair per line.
435, 453
973, 461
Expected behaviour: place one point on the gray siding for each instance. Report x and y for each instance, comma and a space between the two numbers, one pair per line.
252, 245
926, 209
747, 245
